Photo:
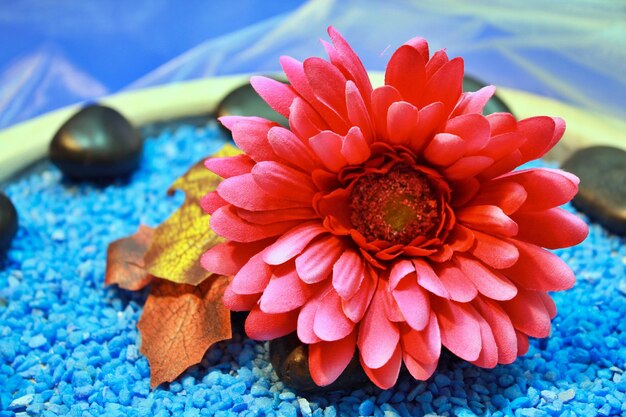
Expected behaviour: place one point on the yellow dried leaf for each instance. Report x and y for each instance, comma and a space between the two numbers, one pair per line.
180, 241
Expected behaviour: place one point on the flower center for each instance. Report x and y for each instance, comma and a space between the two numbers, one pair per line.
397, 206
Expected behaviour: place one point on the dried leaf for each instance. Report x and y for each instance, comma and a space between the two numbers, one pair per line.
180, 241
125, 260
179, 323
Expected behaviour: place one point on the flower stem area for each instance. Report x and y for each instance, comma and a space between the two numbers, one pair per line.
70, 347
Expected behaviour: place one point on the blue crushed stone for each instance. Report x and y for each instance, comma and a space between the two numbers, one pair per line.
68, 346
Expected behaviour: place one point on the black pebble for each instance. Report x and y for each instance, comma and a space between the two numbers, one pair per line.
602, 191
290, 359
244, 101
96, 143
494, 105
8, 222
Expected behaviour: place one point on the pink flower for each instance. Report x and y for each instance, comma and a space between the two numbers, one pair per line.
390, 219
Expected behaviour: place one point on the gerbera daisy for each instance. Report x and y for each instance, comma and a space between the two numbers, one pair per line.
389, 221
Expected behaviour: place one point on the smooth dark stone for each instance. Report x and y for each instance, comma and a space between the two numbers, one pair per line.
96, 143
494, 105
8, 222
602, 189
244, 101
290, 359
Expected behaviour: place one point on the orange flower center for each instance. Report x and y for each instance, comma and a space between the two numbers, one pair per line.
397, 206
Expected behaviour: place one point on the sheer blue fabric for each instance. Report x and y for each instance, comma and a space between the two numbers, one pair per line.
573, 51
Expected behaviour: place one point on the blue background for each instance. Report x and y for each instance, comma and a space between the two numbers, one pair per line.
119, 41
59, 53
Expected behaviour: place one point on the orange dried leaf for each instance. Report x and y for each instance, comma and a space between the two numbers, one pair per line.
179, 323
125, 260
180, 241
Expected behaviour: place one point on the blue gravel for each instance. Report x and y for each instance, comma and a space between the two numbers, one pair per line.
69, 346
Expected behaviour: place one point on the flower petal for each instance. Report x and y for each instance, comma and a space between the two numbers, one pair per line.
263, 326
501, 123
272, 216
325, 81
306, 318
226, 223
459, 286
327, 360
330, 322
294, 70
401, 120
250, 135
490, 283
461, 239
350, 61
445, 149
509, 196
238, 302
528, 314
489, 219
229, 257
385, 376
382, 98
429, 119
546, 187
277, 95
548, 302
488, 357
460, 329
474, 102
522, 343
357, 111
211, 202
539, 270
413, 302
316, 262
467, 167
378, 337
501, 327
502, 145
540, 135
434, 64
399, 270
292, 243
493, 251
354, 147
420, 45
406, 72
502, 166
356, 306
419, 370
230, 166
428, 279
242, 191
445, 85
327, 146
472, 128
283, 182
284, 292
291, 148
304, 120
253, 277
553, 228
425, 345
348, 274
